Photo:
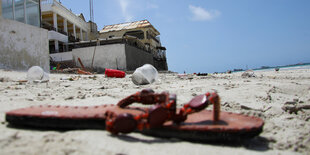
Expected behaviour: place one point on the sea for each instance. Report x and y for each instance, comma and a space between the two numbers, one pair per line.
295, 67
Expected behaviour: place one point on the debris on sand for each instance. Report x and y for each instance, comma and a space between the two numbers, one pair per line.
37, 74
114, 73
146, 74
248, 74
293, 107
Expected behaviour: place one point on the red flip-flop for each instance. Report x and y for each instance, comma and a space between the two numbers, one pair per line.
163, 119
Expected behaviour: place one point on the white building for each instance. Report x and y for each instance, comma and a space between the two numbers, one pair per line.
64, 26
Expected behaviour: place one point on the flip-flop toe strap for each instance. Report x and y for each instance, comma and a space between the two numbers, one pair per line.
164, 109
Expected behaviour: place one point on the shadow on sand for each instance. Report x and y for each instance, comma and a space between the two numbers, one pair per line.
257, 143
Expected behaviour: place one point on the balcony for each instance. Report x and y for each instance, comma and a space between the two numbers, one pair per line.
56, 7
53, 35
51, 28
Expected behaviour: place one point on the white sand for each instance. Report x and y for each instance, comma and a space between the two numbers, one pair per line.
264, 96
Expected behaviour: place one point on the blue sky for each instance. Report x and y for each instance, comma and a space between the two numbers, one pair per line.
216, 36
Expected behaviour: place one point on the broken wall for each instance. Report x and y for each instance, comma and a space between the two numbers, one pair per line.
23, 46
161, 65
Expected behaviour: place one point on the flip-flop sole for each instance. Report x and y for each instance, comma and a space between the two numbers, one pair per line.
200, 127
65, 117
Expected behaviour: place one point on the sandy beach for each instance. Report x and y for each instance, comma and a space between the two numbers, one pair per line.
281, 99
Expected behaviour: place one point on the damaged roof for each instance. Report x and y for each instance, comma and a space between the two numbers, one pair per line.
81, 16
128, 26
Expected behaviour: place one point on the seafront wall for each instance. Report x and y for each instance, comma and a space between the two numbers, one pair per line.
114, 56
107, 56
23, 46
136, 57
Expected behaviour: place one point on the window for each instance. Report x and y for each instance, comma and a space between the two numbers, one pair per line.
33, 12
7, 9
19, 10
26, 11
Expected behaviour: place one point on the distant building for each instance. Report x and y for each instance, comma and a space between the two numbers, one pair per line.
147, 36
64, 26
124, 46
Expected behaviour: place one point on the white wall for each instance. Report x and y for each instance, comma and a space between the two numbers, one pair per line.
107, 56
23, 46
65, 56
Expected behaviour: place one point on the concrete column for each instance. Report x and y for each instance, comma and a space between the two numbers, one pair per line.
81, 34
86, 36
74, 31
55, 21
56, 46
65, 25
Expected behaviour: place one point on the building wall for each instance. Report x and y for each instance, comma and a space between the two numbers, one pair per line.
23, 46
136, 57
107, 56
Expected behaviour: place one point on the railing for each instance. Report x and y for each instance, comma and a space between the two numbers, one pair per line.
160, 55
51, 28
48, 27
71, 38
62, 32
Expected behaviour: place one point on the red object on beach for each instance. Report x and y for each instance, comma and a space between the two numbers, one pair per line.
162, 119
114, 73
